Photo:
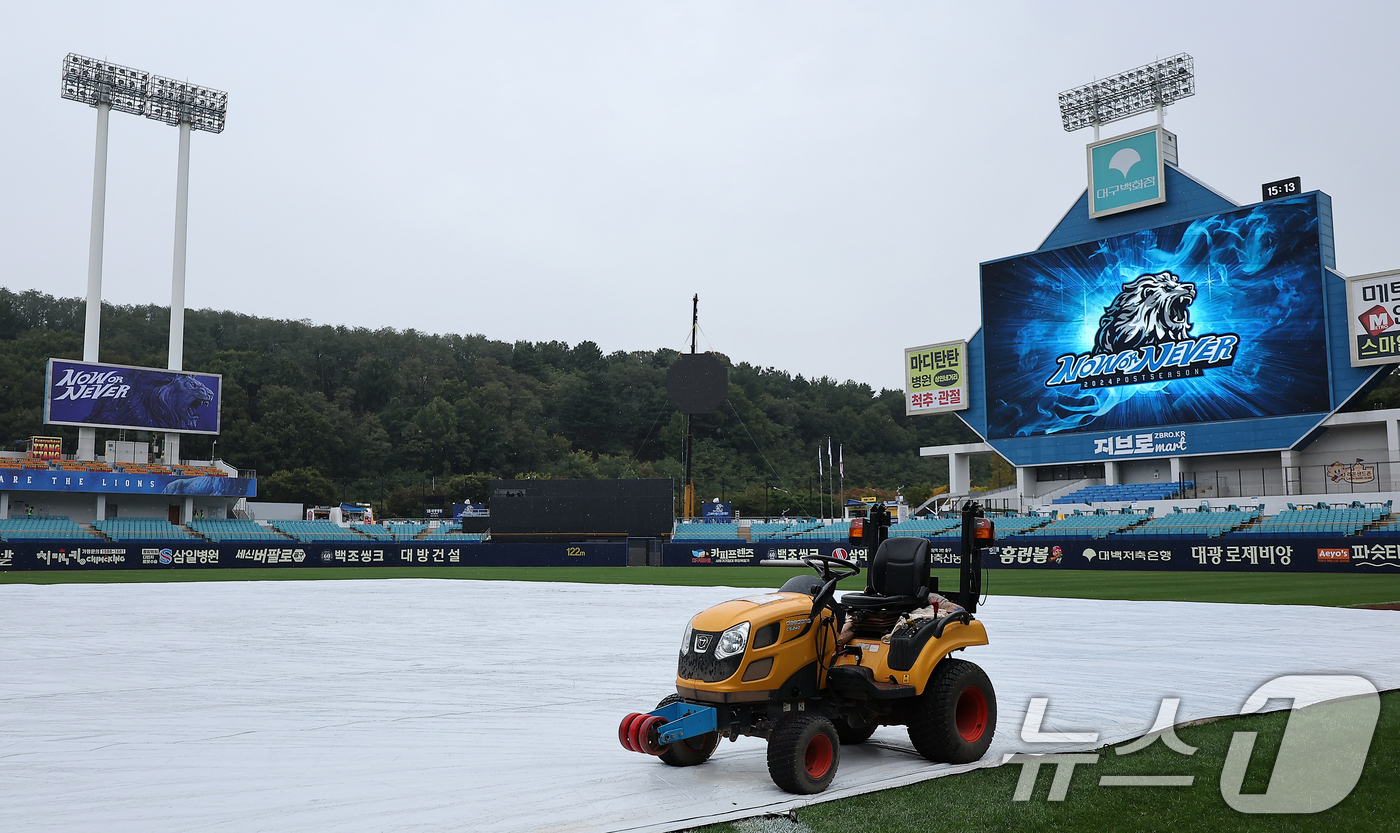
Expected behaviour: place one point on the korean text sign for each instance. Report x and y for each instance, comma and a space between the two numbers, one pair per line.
935, 378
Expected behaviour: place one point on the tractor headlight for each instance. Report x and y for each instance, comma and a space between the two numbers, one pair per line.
732, 641
685, 640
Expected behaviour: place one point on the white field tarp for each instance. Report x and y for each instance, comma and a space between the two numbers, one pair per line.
432, 705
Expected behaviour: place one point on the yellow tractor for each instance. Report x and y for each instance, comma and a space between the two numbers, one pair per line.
769, 665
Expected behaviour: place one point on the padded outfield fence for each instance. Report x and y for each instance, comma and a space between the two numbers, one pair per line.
1371, 554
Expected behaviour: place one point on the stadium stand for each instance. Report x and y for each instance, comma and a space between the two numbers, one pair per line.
391, 531
142, 529
926, 527
1125, 492
1099, 524
43, 528
1202, 523
1322, 520
316, 531
231, 529
702, 532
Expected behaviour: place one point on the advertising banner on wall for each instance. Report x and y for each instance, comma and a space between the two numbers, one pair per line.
1133, 337
1127, 172
93, 395
1373, 313
1217, 555
107, 482
935, 378
157, 555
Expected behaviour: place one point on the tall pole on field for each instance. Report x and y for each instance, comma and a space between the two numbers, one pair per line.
177, 283
92, 326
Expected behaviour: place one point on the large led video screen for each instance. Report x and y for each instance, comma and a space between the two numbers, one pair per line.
96, 395
1219, 318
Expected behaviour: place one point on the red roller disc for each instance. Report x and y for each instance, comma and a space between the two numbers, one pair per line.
635, 734
648, 739
623, 730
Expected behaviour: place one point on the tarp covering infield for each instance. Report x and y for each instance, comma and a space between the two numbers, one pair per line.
493, 706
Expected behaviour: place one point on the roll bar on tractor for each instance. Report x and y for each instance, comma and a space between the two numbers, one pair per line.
978, 533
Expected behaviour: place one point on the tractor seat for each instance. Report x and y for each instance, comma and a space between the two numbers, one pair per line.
899, 577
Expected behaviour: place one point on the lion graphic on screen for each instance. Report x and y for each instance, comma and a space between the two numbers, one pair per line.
159, 400
1150, 310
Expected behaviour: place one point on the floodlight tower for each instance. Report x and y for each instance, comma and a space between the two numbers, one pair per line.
107, 87
1151, 86
189, 107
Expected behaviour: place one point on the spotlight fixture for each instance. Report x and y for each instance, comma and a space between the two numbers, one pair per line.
1128, 93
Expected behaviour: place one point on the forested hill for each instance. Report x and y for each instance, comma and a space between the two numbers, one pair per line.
383, 414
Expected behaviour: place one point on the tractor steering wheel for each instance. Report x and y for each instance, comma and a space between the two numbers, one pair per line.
829, 567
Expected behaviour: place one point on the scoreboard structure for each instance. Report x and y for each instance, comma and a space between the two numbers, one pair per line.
1190, 333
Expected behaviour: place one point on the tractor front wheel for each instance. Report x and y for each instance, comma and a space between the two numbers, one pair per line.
691, 751
803, 753
956, 715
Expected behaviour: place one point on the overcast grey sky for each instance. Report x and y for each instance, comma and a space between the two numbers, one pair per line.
575, 171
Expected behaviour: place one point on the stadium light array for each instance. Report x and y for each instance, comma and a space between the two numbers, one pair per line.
172, 102
190, 107
1148, 87
92, 82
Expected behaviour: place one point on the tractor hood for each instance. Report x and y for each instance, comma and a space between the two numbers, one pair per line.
766, 606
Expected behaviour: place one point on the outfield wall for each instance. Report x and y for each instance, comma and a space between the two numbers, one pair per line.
1257, 554
166, 555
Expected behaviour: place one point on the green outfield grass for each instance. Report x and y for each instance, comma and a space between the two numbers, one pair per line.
982, 800
1332, 589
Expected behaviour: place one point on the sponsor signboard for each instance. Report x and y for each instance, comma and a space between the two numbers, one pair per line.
93, 395
136, 555
1140, 341
45, 448
935, 378
1373, 315
717, 513
1253, 554
1127, 171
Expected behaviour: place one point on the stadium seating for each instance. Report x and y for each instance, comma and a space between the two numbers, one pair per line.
1321, 521
1199, 524
702, 532
233, 529
390, 531
926, 527
317, 531
43, 528
1099, 524
1125, 492
142, 529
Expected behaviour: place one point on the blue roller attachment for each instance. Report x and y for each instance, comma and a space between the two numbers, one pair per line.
685, 720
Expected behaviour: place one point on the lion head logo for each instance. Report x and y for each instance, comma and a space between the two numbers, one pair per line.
161, 400
1150, 310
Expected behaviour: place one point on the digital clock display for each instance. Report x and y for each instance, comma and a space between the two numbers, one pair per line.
1283, 188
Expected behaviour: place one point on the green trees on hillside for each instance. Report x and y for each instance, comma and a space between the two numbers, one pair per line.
386, 412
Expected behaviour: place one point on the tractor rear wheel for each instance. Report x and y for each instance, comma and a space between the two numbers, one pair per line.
803, 753
955, 717
691, 751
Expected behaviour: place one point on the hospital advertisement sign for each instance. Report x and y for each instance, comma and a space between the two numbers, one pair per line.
1373, 313
935, 378
93, 395
1126, 172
